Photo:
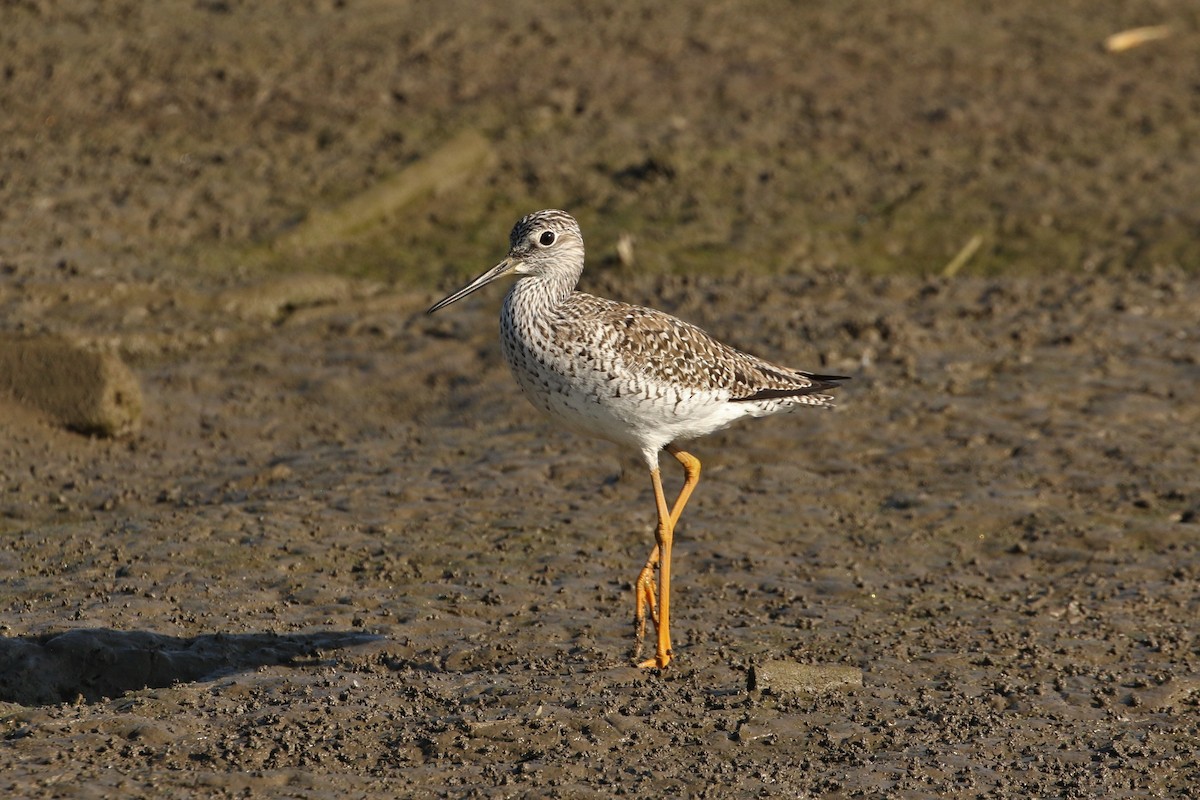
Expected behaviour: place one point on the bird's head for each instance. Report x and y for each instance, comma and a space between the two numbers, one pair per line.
544, 244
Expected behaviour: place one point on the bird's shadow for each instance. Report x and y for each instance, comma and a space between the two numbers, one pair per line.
98, 663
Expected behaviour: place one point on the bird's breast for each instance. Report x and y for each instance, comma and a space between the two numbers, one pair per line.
589, 388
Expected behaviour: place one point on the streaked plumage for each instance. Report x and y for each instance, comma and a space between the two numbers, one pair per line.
633, 375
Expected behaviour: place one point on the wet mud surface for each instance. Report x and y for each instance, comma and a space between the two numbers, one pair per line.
342, 557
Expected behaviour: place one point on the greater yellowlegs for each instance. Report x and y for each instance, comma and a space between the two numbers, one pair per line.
632, 375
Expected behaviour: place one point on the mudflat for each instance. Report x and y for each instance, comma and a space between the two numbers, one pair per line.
332, 552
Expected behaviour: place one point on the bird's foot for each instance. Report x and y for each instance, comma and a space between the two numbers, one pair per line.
659, 661
647, 605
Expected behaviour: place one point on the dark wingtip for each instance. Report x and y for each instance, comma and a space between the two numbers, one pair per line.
774, 394
820, 383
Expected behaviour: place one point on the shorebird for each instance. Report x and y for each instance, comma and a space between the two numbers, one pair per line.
635, 376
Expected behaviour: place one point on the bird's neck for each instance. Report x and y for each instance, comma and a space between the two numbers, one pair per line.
535, 295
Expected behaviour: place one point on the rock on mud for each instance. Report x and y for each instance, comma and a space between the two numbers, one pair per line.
89, 391
781, 677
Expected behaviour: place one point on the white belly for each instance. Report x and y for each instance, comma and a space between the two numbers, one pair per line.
618, 406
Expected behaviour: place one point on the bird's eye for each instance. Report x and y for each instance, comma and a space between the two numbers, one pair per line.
546, 239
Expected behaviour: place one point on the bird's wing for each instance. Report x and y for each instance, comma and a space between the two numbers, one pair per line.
664, 349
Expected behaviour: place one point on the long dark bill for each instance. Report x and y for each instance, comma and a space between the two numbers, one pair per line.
498, 271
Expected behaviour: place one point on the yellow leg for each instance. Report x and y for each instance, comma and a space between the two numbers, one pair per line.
661, 554
691, 469
646, 600
664, 534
